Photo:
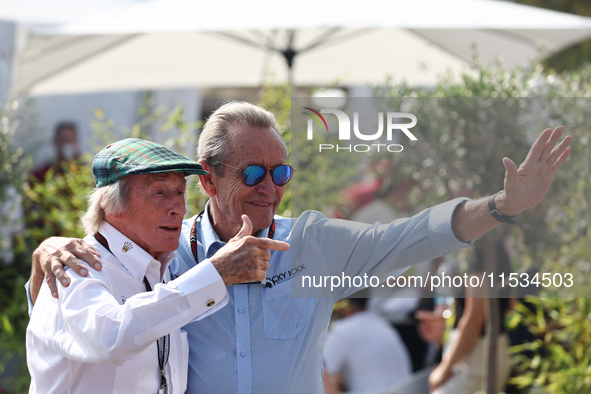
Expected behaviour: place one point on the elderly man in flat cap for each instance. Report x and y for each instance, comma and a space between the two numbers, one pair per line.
118, 330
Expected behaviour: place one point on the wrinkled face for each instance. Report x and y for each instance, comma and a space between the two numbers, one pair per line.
231, 197
157, 207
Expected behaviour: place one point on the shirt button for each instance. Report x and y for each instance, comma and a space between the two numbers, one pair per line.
243, 353
139, 277
210, 302
241, 310
153, 265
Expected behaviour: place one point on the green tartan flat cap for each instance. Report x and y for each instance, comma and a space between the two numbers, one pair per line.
134, 156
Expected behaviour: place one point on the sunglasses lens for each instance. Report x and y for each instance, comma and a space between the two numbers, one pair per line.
281, 175
253, 175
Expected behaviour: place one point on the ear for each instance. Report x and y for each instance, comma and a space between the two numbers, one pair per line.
208, 181
113, 216
114, 219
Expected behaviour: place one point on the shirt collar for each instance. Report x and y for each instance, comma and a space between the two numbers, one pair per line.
210, 237
135, 259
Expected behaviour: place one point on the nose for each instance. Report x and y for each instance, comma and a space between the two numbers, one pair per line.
266, 187
178, 206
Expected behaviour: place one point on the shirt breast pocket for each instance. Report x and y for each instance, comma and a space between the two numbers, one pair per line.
285, 317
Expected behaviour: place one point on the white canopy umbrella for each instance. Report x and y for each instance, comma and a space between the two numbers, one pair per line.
56, 12
180, 43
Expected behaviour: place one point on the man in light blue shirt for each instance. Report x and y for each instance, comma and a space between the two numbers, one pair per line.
264, 340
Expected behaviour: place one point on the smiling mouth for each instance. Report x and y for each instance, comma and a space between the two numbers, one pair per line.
170, 228
261, 204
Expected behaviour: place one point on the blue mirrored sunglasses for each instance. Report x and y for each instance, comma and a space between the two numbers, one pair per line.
254, 174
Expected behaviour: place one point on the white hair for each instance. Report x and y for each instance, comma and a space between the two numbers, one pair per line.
105, 201
213, 144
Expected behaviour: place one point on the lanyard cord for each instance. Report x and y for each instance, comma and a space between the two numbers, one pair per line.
194, 236
194, 245
163, 348
163, 342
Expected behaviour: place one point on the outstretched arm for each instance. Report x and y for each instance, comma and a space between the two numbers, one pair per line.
524, 187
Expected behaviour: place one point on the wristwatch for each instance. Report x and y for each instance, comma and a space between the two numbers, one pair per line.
495, 214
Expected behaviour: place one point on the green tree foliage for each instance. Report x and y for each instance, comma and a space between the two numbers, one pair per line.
577, 7
467, 138
555, 236
558, 359
54, 207
575, 56
13, 173
276, 97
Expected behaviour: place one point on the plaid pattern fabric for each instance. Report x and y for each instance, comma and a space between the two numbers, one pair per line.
134, 156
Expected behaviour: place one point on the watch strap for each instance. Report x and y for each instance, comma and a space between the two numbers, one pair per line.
495, 213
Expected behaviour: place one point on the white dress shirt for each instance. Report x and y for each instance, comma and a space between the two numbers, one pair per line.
100, 335
367, 351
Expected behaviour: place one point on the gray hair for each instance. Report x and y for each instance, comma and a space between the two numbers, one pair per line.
105, 201
213, 145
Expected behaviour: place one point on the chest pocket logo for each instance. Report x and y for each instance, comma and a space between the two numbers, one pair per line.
285, 317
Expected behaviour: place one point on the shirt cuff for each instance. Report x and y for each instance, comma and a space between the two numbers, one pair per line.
441, 234
204, 288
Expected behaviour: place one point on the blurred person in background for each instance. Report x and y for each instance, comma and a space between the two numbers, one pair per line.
463, 366
65, 142
401, 306
431, 328
363, 352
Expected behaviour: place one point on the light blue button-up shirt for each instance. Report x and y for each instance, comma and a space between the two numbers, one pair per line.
267, 341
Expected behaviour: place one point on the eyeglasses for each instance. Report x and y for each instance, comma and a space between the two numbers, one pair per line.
254, 174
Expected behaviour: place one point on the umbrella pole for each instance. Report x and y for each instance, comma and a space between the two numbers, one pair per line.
289, 55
